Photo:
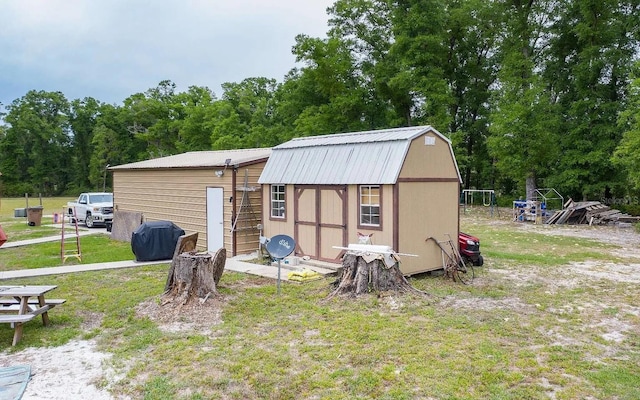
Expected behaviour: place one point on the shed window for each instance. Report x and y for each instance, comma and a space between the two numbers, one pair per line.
277, 201
370, 205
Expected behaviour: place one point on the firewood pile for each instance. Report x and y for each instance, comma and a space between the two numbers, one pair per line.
589, 212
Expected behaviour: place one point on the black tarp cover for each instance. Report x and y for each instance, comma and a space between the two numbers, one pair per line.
155, 240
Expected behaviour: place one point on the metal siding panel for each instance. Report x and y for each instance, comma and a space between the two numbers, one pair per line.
369, 163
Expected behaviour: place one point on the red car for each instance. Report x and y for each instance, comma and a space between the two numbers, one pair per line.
470, 249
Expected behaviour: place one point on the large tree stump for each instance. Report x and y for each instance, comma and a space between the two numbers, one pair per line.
360, 277
194, 275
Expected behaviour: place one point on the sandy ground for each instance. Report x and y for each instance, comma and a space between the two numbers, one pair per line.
61, 373
71, 371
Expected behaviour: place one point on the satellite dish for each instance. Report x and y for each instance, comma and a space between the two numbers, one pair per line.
280, 246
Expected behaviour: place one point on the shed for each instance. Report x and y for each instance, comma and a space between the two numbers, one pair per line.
213, 193
401, 185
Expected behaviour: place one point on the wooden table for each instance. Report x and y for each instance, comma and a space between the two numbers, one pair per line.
20, 304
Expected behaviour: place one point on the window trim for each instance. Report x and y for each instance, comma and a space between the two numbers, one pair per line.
271, 201
377, 227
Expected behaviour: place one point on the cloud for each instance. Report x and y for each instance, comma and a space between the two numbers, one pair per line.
114, 48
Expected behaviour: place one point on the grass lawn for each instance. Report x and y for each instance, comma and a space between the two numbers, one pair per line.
547, 317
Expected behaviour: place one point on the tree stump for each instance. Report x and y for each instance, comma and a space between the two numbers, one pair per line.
185, 243
194, 275
360, 277
219, 259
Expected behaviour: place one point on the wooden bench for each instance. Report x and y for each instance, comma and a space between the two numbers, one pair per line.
12, 306
15, 308
49, 302
16, 321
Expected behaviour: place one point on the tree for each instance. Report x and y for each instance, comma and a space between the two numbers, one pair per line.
590, 58
115, 140
524, 114
340, 100
253, 103
626, 154
194, 131
419, 28
163, 115
36, 147
471, 70
82, 119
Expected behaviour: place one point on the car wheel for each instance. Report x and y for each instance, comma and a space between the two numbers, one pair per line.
88, 221
479, 262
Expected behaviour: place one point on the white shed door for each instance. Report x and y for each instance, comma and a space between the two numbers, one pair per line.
215, 219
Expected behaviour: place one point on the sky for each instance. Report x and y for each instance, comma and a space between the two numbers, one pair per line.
111, 49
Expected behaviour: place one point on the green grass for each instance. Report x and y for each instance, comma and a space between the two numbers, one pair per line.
50, 205
528, 328
94, 249
17, 230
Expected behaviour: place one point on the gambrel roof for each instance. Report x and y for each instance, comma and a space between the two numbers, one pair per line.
370, 157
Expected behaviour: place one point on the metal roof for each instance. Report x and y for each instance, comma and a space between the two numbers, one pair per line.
200, 159
370, 157
381, 135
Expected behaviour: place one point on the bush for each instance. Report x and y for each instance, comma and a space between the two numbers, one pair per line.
631, 209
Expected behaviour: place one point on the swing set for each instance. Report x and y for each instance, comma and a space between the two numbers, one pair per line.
488, 199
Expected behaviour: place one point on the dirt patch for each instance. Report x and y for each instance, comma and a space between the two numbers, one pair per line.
194, 316
64, 372
487, 304
629, 273
625, 238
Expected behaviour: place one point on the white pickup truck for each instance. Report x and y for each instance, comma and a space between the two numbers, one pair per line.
92, 208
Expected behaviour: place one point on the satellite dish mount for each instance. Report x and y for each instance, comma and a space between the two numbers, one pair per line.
279, 247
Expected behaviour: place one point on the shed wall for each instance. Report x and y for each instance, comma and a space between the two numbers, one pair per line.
429, 161
427, 209
179, 195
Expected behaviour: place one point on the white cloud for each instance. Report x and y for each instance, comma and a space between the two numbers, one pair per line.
111, 49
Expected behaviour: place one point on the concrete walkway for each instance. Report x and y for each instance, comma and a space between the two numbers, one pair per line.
235, 264
46, 239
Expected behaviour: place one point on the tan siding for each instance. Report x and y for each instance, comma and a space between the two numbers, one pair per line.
277, 227
424, 161
307, 206
179, 195
331, 207
427, 209
330, 237
307, 240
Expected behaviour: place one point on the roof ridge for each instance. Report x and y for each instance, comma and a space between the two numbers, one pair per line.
369, 132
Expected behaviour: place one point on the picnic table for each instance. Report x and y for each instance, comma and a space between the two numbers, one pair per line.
20, 304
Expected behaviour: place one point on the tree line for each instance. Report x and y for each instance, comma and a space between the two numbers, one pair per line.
532, 93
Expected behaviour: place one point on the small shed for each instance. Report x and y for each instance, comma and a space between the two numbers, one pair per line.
400, 185
213, 193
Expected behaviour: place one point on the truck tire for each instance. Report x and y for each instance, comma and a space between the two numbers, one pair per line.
88, 221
